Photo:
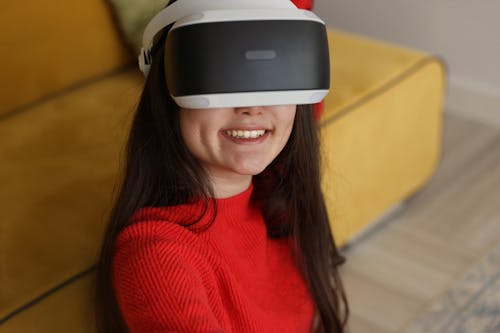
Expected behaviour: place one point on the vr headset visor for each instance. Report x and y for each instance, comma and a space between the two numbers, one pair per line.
236, 53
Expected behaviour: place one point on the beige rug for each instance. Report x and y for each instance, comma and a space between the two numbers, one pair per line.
471, 305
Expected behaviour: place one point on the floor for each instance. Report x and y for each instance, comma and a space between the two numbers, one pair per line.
409, 258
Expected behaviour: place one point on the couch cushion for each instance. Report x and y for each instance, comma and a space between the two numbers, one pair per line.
381, 129
59, 166
65, 309
48, 45
361, 65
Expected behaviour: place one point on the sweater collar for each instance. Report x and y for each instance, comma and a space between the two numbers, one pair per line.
231, 209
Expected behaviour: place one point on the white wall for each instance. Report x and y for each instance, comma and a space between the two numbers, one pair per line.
465, 33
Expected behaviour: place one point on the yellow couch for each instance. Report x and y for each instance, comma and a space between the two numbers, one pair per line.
68, 91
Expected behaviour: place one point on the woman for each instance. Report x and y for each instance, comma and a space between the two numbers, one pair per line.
220, 224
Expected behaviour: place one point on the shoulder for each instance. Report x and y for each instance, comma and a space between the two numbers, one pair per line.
153, 230
146, 242
150, 257
159, 223
161, 280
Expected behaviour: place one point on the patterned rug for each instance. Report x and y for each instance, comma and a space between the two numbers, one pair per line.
471, 305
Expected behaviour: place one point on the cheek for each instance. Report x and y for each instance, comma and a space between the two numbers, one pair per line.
190, 132
287, 119
199, 137
189, 138
185, 129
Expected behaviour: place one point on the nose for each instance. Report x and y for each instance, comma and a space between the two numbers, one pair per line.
249, 110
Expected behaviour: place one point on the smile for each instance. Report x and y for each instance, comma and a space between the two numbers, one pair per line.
245, 134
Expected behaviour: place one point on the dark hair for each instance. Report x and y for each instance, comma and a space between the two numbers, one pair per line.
160, 171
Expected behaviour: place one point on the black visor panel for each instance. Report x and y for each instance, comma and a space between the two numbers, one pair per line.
247, 56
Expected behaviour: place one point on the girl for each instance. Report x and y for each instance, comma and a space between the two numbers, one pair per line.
220, 224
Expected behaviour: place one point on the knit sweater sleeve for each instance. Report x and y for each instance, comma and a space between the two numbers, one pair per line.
159, 288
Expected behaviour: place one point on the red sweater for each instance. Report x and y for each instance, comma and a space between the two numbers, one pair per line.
229, 278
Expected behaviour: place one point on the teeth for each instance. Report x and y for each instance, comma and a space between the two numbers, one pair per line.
240, 134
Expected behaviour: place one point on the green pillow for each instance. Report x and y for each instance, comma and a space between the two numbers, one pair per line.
133, 16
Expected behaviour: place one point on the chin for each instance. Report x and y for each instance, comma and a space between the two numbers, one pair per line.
251, 170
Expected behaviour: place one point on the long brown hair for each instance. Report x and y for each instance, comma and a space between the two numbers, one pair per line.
160, 171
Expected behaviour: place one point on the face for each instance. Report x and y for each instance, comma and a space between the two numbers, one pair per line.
233, 142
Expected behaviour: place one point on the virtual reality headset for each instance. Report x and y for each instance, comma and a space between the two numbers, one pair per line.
237, 53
